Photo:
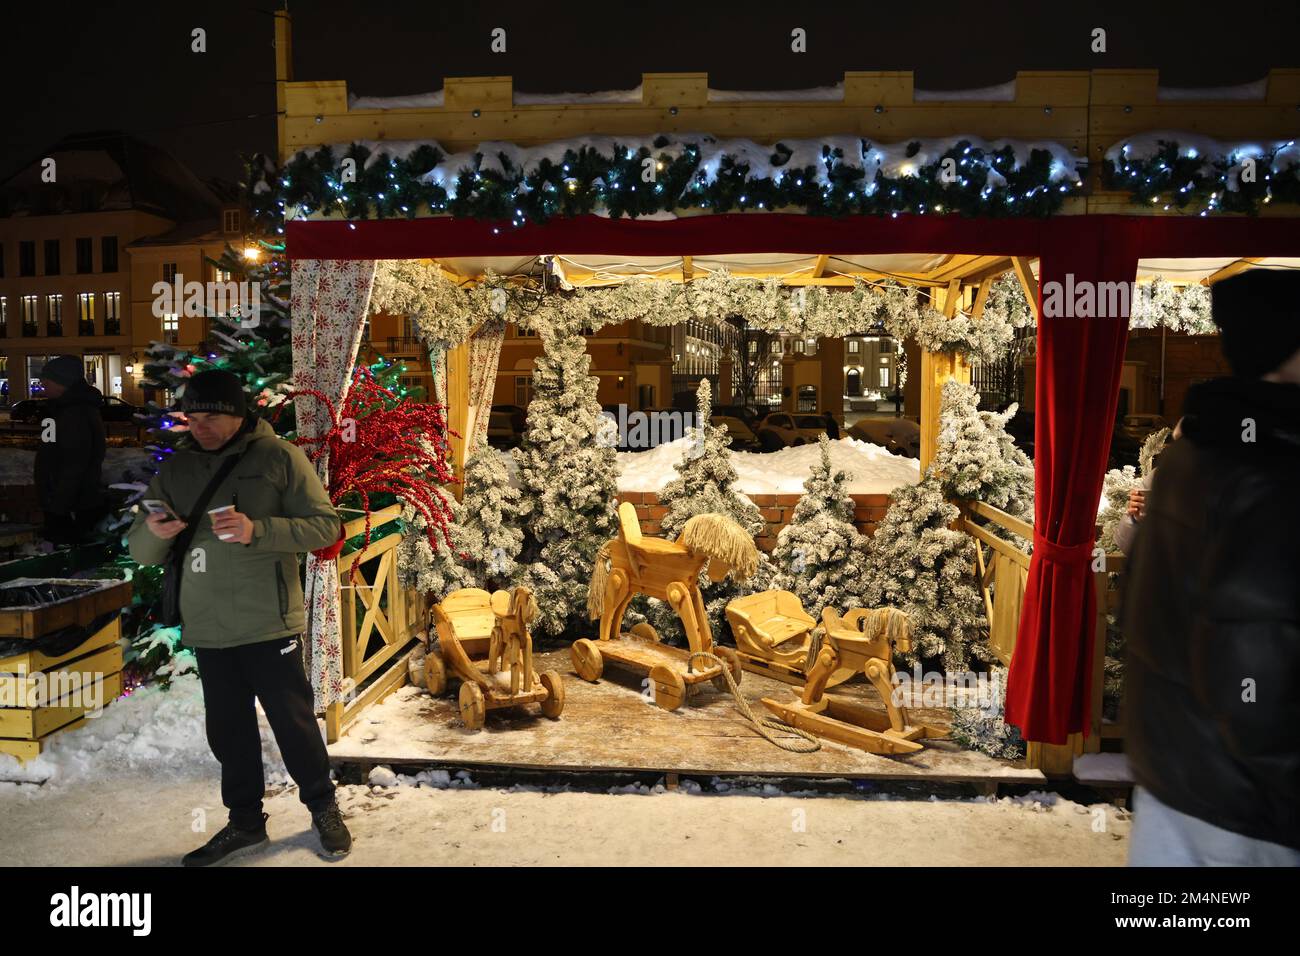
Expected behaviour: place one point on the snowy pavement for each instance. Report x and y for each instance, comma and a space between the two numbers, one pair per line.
137, 786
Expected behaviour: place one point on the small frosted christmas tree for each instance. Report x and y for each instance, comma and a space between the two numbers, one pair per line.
485, 536
923, 567
493, 537
568, 481
976, 459
704, 485
982, 726
820, 556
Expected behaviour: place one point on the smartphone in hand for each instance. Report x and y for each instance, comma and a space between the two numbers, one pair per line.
156, 506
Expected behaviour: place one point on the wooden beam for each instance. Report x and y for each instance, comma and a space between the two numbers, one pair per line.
981, 298
1232, 269
820, 267
1027, 281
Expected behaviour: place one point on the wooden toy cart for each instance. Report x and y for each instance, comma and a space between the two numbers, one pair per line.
774, 636
860, 640
484, 641
668, 570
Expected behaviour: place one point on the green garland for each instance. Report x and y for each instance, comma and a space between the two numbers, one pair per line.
1192, 172
988, 181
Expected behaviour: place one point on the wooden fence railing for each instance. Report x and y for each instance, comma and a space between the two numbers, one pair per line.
379, 619
1002, 567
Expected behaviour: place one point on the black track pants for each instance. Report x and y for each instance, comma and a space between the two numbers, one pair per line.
272, 672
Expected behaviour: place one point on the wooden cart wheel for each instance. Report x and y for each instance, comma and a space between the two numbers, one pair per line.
645, 630
587, 661
554, 685
732, 660
670, 687
435, 674
472, 708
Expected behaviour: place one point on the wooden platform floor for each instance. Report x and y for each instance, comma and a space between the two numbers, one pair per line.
608, 726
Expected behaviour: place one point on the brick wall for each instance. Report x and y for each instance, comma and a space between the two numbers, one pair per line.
777, 511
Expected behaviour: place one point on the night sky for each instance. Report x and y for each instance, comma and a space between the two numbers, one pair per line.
69, 68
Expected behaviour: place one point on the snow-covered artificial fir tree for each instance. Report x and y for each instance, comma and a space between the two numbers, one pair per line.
821, 556
704, 484
976, 459
485, 535
493, 536
568, 482
982, 726
919, 564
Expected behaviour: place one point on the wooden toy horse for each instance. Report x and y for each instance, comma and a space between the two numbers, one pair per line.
633, 564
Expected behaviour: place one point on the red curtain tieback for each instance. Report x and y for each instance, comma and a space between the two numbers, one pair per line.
1080, 553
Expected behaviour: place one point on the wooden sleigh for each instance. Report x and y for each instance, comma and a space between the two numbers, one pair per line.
774, 636
632, 564
485, 642
862, 640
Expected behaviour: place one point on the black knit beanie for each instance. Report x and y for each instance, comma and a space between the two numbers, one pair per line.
214, 391
1258, 315
67, 370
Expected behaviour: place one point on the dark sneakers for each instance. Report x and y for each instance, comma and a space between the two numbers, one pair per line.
230, 842
335, 840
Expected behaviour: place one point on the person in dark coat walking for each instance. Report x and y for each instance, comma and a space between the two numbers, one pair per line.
832, 426
1211, 611
70, 457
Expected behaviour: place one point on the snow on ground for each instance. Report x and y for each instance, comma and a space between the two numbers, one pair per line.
155, 732
123, 820
137, 786
874, 471
16, 464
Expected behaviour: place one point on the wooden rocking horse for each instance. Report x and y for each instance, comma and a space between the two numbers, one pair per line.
860, 640
633, 564
467, 619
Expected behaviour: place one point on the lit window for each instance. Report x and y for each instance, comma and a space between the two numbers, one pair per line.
86, 313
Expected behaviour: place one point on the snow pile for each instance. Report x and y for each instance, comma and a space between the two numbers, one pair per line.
159, 732
875, 471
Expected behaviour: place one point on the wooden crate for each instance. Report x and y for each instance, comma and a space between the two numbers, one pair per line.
84, 601
26, 730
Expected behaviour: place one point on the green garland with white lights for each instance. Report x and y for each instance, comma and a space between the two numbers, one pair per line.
962, 177
1204, 176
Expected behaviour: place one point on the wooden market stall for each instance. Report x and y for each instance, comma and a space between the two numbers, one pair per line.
1098, 230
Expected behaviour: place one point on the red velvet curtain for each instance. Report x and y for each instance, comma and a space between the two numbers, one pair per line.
1080, 358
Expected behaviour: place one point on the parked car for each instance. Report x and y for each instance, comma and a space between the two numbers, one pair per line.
742, 436
1140, 427
899, 436
506, 424
783, 430
501, 431
113, 409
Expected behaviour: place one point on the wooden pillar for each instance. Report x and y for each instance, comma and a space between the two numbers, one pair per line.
936, 369
458, 411
283, 74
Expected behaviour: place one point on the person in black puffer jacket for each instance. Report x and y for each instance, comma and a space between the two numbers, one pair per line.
69, 464
1211, 610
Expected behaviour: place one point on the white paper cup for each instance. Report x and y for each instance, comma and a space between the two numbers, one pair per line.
216, 511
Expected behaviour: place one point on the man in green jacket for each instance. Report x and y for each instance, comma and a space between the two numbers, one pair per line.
241, 602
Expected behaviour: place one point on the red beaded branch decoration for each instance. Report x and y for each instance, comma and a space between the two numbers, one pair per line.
398, 447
